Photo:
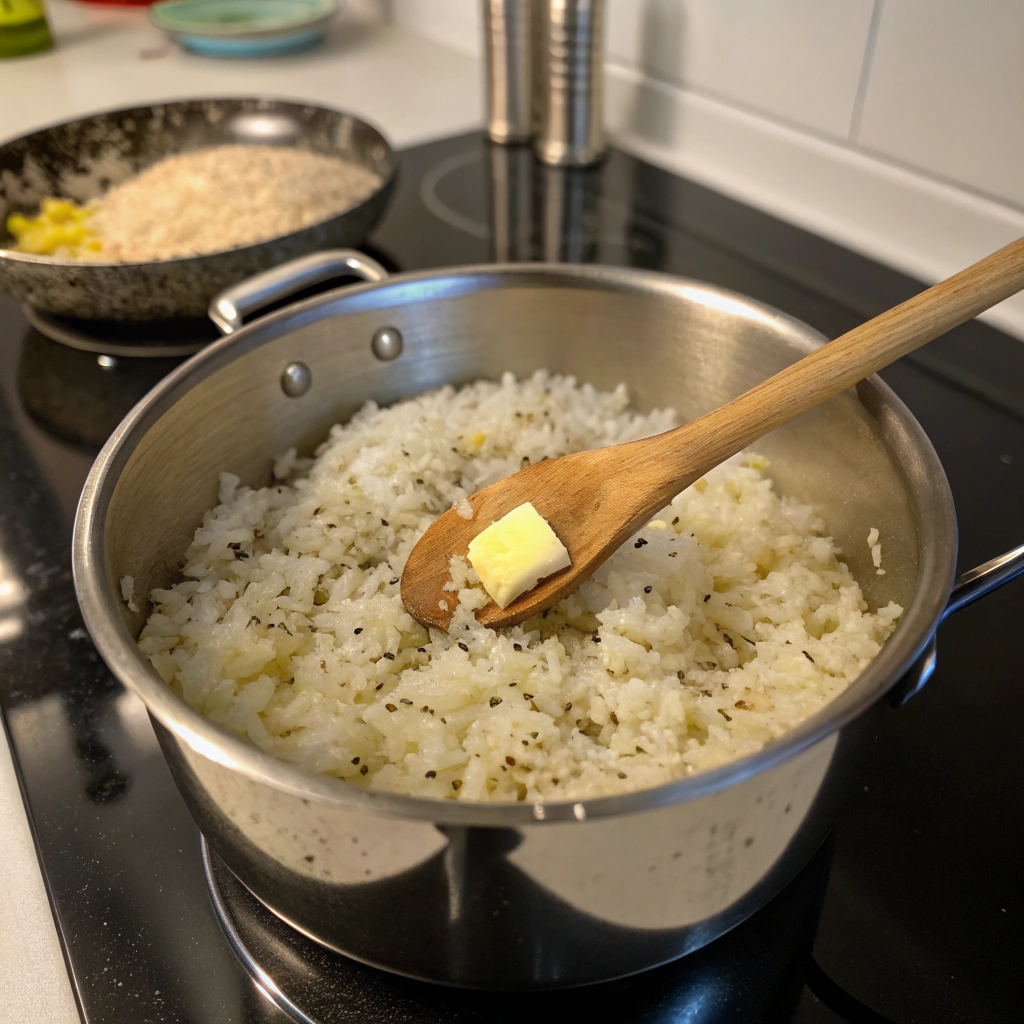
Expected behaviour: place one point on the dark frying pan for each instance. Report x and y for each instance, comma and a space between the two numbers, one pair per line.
81, 159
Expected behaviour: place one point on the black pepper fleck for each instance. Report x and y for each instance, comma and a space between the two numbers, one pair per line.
355, 760
517, 647
241, 554
640, 543
725, 715
379, 686
808, 657
235, 546
431, 774
647, 590
463, 647
494, 701
528, 696
388, 655
391, 707
405, 700
357, 630
393, 582
622, 775
456, 784
365, 768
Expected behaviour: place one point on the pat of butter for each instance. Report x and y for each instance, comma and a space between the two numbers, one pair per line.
512, 555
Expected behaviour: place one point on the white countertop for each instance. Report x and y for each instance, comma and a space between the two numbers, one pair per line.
410, 88
107, 58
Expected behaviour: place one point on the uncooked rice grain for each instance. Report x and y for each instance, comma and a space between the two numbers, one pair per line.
723, 623
223, 197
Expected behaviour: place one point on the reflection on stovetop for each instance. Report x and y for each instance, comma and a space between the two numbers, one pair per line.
922, 914
77, 396
753, 973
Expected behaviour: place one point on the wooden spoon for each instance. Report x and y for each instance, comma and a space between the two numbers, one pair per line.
595, 500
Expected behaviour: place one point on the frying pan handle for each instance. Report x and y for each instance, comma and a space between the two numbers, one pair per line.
968, 588
229, 307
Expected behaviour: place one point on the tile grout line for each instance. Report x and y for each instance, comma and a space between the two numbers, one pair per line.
871, 45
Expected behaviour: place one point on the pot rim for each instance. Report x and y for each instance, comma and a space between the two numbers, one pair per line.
387, 180
119, 649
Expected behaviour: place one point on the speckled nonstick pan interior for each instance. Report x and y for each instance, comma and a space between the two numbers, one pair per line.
80, 159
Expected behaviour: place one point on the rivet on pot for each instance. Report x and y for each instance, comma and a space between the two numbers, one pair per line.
387, 343
296, 380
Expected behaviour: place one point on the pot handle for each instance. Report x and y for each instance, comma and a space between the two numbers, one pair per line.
967, 589
229, 307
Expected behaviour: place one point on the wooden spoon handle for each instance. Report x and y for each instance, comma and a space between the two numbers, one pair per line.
839, 365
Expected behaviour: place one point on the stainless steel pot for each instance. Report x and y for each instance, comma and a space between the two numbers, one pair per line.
514, 896
80, 159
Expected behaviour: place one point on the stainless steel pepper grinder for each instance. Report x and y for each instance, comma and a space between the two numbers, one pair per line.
570, 81
508, 61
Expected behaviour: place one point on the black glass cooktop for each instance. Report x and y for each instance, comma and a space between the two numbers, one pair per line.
912, 912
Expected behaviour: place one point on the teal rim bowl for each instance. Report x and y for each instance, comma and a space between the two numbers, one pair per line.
244, 28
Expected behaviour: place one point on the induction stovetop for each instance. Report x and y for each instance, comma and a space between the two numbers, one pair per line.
911, 912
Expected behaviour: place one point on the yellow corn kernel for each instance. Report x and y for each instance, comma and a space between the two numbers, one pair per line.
58, 210
61, 226
17, 224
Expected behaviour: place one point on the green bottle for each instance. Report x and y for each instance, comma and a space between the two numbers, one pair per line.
23, 28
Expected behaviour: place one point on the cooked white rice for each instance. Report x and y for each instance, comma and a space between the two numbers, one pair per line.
722, 624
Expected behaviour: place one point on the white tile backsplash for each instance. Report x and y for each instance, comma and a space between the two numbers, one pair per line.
890, 126
946, 91
454, 23
798, 60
